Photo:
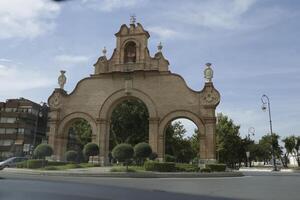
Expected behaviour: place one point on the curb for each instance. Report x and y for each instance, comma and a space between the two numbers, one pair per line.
133, 174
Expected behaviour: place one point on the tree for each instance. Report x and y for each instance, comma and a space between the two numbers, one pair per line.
91, 149
142, 151
42, 150
71, 156
228, 138
292, 145
123, 153
79, 135
129, 123
177, 145
297, 148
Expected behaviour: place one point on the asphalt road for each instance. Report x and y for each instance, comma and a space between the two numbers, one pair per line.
283, 186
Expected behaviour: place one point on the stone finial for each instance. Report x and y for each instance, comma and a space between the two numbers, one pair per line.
132, 19
104, 51
62, 79
159, 47
208, 73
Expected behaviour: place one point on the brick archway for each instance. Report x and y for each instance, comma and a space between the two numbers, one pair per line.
165, 94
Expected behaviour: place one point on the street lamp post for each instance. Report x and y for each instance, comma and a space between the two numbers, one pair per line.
265, 100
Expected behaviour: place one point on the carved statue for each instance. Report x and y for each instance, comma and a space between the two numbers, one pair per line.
208, 73
62, 79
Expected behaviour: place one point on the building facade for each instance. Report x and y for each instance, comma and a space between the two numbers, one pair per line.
131, 73
23, 125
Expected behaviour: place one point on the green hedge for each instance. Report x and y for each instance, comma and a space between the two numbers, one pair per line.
159, 166
169, 158
207, 170
34, 164
22, 164
182, 167
56, 163
216, 167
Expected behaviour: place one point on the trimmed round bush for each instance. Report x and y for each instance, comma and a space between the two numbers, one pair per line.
216, 167
91, 149
169, 158
42, 150
142, 151
71, 156
153, 156
159, 166
123, 152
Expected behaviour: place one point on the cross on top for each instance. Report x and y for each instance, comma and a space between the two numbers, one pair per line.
132, 19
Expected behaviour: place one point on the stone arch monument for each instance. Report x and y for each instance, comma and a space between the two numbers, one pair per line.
131, 73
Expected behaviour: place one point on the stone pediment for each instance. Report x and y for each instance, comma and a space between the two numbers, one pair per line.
131, 53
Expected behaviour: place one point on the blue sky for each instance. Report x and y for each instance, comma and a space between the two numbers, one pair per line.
254, 46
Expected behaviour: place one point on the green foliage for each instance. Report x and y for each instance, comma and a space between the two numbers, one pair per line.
292, 145
123, 152
183, 149
216, 167
91, 149
159, 166
183, 167
22, 164
142, 150
129, 123
51, 168
56, 163
79, 135
153, 156
38, 163
205, 170
170, 158
123, 169
229, 143
43, 150
71, 156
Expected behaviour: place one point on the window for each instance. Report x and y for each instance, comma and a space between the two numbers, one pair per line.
6, 142
2, 130
11, 130
21, 131
8, 120
11, 109
130, 52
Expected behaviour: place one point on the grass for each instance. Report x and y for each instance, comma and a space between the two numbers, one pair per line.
130, 169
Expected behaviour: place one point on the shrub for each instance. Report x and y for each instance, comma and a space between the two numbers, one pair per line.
43, 150
142, 151
71, 156
159, 166
169, 158
207, 170
181, 167
216, 167
91, 149
153, 156
22, 164
34, 164
51, 168
123, 153
56, 163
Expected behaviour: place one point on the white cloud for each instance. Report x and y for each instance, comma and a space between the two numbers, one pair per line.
213, 13
14, 79
110, 5
71, 59
163, 32
26, 19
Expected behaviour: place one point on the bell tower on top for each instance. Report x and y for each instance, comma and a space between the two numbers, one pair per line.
131, 52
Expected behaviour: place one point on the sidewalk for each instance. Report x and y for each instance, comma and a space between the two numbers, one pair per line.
105, 172
254, 169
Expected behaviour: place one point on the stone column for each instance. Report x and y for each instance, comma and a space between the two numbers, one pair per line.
103, 128
153, 133
210, 139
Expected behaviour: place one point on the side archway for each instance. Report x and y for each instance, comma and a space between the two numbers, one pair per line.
60, 145
173, 116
